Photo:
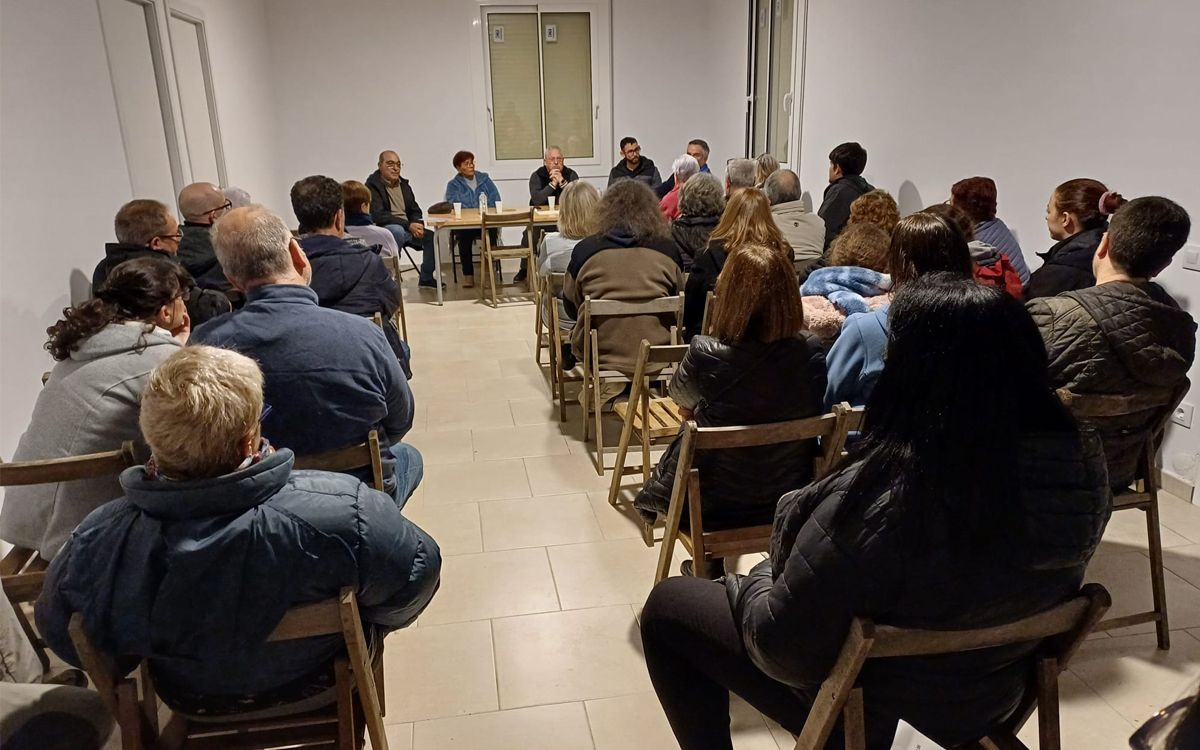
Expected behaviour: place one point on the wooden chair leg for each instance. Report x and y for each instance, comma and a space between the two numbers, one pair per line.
586, 393
39, 649
598, 407
1157, 582
854, 721
1049, 737
492, 277
614, 487
345, 704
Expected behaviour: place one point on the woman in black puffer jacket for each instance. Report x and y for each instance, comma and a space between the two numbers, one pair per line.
757, 367
700, 206
953, 511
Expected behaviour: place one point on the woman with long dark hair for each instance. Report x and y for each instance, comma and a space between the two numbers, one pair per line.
106, 348
953, 511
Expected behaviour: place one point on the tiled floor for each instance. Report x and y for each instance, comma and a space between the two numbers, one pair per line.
532, 641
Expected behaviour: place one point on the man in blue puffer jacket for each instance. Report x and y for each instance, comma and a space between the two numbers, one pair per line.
216, 538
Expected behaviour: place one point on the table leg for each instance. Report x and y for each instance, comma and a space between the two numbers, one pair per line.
440, 235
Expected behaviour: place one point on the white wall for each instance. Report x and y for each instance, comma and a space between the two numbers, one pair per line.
1028, 92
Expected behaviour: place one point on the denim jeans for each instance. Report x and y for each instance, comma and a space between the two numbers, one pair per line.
409, 470
425, 244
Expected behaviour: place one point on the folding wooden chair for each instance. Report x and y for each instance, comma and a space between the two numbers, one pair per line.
546, 292
595, 373
398, 318
493, 253
23, 570
558, 376
651, 418
703, 545
709, 298
1061, 630
1155, 409
359, 687
346, 460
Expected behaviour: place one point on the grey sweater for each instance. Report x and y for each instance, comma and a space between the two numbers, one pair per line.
90, 404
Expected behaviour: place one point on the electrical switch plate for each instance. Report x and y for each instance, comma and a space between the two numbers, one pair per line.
1183, 415
1191, 257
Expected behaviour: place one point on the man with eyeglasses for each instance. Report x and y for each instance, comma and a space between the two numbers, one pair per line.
394, 207
634, 166
697, 148
201, 204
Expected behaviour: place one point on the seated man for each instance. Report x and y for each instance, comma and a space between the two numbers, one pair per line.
846, 164
698, 150
201, 204
803, 230
394, 207
739, 175
216, 538
551, 178
145, 228
1125, 335
347, 277
331, 377
634, 166
681, 170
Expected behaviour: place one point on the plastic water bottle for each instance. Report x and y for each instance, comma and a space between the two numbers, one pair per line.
483, 203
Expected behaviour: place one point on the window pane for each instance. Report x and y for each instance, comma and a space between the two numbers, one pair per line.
779, 130
516, 90
190, 73
567, 80
762, 58
127, 34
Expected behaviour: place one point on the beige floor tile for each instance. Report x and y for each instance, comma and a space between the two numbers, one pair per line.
455, 526
1133, 676
1087, 721
443, 383
563, 726
526, 441
399, 737
525, 366
568, 656
630, 722
619, 571
748, 728
482, 480
443, 447
539, 410
468, 416
537, 522
1128, 528
493, 584
562, 475
440, 670
509, 387
1127, 578
437, 368
618, 521
1179, 516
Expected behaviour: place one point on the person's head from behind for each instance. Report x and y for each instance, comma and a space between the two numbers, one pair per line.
757, 297
846, 160
202, 203
151, 290
577, 212
764, 166
697, 148
356, 198
389, 167
464, 164
237, 197
1078, 205
631, 151
147, 223
957, 217
1142, 238
317, 203
255, 248
876, 207
782, 186
630, 208
739, 174
200, 412
862, 245
976, 196
747, 221
684, 168
926, 243
702, 195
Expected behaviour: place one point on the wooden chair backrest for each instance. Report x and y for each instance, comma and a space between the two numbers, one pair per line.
1061, 630
348, 459
609, 308
70, 468
506, 219
648, 355
709, 298
392, 264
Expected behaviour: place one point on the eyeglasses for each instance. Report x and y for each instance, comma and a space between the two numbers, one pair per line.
223, 207
393, 164
632, 151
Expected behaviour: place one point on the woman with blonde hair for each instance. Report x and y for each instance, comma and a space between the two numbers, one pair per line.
747, 220
576, 216
756, 365
764, 166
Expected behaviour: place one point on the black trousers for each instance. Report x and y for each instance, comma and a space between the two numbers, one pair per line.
696, 659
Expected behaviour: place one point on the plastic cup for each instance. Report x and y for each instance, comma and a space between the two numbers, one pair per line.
458, 210
552, 200
499, 207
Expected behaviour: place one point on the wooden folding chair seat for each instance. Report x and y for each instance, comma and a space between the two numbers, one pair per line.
494, 252
23, 570
399, 320
646, 417
1060, 630
1156, 406
358, 683
346, 460
558, 376
595, 372
705, 545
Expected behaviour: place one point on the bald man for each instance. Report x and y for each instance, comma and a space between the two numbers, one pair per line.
394, 207
201, 204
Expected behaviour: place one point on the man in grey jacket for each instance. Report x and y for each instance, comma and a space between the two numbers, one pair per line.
803, 230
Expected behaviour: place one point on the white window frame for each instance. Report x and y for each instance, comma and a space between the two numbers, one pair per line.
602, 126
793, 100
193, 15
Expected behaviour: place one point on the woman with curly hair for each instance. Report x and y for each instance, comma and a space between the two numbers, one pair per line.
876, 207
106, 348
701, 203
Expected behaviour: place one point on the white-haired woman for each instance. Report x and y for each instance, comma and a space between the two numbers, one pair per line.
685, 167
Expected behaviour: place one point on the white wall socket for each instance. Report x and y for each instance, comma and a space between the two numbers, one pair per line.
1183, 415
1191, 257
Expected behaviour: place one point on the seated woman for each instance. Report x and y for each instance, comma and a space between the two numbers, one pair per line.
922, 243
977, 196
757, 366
917, 529
747, 221
991, 267
356, 199
855, 280
106, 348
877, 207
1077, 217
465, 188
701, 203
765, 165
215, 538
576, 214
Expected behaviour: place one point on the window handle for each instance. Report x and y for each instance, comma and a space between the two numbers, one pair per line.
489, 109
597, 115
